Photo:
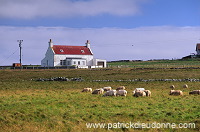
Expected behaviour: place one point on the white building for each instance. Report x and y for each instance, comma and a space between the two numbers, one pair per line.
63, 55
198, 48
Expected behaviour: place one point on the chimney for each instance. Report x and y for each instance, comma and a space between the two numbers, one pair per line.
50, 43
88, 44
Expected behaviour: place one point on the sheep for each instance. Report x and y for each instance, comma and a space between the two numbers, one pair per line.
148, 93
185, 86
172, 87
121, 88
121, 93
98, 91
101, 90
139, 89
175, 92
87, 90
137, 93
110, 93
133, 92
195, 92
107, 88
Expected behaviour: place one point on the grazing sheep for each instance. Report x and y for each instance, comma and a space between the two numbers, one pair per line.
101, 90
148, 93
195, 92
110, 93
139, 89
98, 91
185, 86
121, 88
175, 92
172, 87
87, 90
133, 92
107, 88
121, 93
137, 93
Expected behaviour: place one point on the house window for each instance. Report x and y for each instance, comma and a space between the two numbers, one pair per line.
79, 62
61, 50
74, 62
62, 62
82, 51
68, 63
83, 62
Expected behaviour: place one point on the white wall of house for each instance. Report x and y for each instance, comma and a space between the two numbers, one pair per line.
88, 58
198, 52
48, 61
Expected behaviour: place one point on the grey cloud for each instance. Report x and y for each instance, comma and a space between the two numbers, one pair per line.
23, 9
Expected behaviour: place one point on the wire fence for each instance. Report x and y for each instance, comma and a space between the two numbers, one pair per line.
34, 67
154, 66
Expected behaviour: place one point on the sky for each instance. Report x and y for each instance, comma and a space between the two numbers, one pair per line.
117, 29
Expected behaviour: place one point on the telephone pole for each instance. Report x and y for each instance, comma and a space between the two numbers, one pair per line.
20, 48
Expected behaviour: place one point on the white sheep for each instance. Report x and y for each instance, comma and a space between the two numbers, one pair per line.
175, 92
148, 93
195, 92
87, 90
107, 88
110, 93
139, 89
185, 86
98, 91
121, 93
172, 87
121, 88
138, 93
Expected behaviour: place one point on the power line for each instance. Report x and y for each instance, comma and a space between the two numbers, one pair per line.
8, 57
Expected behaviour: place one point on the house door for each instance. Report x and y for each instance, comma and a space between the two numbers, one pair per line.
100, 63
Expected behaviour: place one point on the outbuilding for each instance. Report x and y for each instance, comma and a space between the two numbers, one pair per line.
198, 48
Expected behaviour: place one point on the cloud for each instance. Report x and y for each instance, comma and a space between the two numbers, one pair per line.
23, 9
143, 43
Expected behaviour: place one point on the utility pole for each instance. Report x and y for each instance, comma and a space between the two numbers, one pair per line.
20, 48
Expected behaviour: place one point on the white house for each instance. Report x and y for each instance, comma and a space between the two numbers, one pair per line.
63, 55
198, 48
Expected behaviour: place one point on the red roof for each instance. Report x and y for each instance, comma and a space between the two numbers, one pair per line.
71, 50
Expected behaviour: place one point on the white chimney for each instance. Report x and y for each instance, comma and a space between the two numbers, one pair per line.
50, 43
88, 44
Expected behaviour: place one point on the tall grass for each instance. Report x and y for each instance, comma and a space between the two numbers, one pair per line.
29, 105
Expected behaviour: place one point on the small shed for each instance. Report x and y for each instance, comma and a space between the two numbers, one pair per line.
16, 65
198, 48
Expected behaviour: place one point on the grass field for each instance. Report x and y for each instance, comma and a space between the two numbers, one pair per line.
158, 63
29, 105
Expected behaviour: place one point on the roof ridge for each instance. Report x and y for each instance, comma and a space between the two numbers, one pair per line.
70, 45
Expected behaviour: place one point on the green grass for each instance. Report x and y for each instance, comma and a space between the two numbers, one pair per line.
158, 63
28, 105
